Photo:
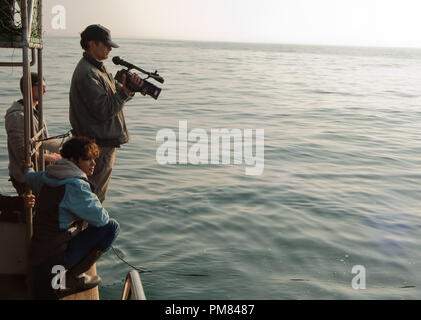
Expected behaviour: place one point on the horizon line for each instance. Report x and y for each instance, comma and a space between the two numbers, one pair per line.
68, 35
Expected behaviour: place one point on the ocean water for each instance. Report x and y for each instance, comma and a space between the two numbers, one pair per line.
341, 178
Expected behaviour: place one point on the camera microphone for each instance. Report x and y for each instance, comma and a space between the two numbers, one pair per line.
121, 62
118, 61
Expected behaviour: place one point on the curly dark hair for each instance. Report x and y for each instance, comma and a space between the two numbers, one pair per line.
79, 147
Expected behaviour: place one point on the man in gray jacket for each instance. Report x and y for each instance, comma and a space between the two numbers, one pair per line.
14, 123
97, 101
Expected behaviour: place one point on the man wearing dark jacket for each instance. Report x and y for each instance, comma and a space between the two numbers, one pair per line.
97, 101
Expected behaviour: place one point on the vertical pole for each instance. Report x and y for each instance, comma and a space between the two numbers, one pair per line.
27, 102
32, 127
30, 11
40, 94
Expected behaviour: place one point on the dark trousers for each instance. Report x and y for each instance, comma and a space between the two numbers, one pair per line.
19, 186
102, 173
91, 238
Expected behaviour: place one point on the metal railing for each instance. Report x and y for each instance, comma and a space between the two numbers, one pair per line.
20, 64
133, 289
23, 41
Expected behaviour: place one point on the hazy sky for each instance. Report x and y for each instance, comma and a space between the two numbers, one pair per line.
342, 22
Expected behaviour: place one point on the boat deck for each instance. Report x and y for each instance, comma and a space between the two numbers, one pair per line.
13, 261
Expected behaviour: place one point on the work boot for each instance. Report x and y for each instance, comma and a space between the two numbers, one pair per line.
76, 278
85, 264
83, 281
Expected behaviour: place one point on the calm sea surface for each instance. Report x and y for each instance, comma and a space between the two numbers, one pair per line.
341, 180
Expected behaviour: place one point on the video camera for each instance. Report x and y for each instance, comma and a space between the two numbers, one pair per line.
147, 88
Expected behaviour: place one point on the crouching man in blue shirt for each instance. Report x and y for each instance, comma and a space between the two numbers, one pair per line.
65, 206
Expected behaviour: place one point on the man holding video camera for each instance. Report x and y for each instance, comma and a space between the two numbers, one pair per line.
97, 101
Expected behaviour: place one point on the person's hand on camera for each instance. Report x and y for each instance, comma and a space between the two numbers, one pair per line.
135, 79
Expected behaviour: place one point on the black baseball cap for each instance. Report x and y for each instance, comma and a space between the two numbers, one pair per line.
97, 32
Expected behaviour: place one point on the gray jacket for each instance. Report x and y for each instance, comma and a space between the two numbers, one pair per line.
96, 104
14, 124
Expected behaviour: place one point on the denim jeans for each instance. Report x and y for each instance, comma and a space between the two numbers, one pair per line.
91, 238
81, 245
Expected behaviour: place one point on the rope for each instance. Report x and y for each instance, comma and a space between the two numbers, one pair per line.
55, 137
140, 269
